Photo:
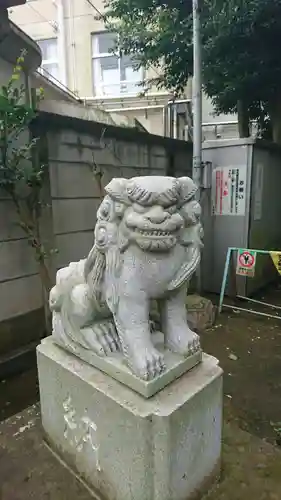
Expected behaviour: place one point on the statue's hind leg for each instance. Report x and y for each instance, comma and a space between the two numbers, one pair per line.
76, 328
101, 337
98, 334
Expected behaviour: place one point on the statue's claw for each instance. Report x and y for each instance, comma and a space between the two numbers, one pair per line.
148, 364
184, 342
102, 334
111, 338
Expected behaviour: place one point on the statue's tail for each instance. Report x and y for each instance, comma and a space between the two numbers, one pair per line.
88, 271
94, 269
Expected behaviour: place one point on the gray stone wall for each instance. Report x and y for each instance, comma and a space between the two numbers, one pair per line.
20, 288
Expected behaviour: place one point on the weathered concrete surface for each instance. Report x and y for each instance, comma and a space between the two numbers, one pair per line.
28, 471
126, 447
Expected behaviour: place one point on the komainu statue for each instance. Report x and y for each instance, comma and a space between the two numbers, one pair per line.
147, 246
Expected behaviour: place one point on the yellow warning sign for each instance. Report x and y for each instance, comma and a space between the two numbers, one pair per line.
276, 258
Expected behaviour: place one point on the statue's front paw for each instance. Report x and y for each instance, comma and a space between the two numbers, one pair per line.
184, 342
148, 363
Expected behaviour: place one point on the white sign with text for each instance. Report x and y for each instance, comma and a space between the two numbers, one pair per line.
229, 190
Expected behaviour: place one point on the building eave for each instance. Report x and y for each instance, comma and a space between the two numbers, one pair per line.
65, 94
6, 4
13, 41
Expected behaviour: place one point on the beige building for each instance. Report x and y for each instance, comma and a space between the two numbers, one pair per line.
13, 40
76, 55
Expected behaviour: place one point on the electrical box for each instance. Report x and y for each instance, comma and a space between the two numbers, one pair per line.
242, 209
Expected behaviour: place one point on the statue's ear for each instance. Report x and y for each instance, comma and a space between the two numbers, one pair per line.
117, 189
188, 188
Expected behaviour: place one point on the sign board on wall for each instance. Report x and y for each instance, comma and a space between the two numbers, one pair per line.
246, 263
229, 190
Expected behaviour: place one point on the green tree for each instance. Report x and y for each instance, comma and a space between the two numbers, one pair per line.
241, 56
21, 172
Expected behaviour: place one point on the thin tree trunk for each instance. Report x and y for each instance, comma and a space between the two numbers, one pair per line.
31, 228
47, 285
243, 119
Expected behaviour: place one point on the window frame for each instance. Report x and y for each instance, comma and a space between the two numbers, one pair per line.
98, 85
45, 62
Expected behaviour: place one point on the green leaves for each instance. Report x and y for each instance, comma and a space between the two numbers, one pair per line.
16, 146
21, 172
158, 34
240, 39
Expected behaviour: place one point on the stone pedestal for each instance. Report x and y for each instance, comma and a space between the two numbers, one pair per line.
114, 366
127, 447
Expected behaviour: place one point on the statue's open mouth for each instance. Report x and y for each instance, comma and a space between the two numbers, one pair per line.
154, 232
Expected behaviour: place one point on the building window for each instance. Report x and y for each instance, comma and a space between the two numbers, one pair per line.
113, 75
50, 63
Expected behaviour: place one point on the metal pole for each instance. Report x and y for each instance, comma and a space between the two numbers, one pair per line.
197, 97
197, 111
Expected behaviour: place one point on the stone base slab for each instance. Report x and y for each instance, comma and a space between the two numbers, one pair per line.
116, 367
127, 447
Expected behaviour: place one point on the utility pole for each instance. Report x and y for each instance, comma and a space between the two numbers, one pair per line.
197, 112
197, 97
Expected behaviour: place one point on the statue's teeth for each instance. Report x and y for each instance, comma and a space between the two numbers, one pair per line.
153, 233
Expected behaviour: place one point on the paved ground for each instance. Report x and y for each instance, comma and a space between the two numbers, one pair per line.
28, 471
18, 393
249, 350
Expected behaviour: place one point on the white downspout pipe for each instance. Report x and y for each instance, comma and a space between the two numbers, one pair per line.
61, 42
72, 44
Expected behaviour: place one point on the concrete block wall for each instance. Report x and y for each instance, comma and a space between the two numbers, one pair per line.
74, 158
20, 288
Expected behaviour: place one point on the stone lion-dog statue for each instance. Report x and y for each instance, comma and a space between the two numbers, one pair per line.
148, 240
